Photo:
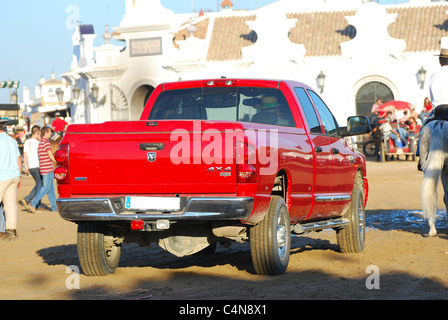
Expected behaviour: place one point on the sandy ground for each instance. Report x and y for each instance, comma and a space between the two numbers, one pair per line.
400, 261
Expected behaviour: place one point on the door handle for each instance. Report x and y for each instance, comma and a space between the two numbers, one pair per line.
318, 149
151, 146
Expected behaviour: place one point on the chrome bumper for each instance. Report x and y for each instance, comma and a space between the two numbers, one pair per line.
192, 209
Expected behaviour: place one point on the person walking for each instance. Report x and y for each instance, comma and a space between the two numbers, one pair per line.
10, 170
46, 159
31, 162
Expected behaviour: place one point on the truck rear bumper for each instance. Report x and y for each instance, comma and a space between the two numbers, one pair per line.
192, 209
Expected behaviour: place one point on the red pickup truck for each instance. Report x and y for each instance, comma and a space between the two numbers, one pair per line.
214, 161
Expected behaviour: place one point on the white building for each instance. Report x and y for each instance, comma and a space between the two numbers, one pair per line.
44, 103
362, 49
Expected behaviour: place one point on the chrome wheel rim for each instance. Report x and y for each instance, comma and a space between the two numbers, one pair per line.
362, 219
282, 237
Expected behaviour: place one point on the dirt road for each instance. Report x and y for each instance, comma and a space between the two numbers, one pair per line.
400, 259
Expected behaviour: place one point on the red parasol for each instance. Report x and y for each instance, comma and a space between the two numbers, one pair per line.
395, 105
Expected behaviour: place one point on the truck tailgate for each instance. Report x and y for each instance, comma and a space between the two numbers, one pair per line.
152, 157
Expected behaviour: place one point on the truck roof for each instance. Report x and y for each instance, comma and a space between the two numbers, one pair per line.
239, 82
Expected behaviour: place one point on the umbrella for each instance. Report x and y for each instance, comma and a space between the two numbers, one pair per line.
395, 105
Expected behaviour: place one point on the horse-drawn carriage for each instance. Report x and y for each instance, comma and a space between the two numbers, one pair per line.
393, 133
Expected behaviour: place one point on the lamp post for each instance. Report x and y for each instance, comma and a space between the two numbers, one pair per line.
76, 92
60, 95
421, 77
95, 92
14, 97
321, 81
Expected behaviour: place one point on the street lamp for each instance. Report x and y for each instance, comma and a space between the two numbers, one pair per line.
421, 77
76, 92
14, 97
60, 95
95, 92
321, 81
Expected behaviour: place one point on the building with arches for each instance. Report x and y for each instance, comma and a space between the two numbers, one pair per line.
351, 51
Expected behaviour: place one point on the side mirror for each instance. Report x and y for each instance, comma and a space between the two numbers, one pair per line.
356, 125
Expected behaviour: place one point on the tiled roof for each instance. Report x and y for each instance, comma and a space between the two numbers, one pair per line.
230, 34
420, 27
322, 32
200, 33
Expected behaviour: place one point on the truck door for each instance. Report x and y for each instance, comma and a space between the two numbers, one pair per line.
343, 174
322, 153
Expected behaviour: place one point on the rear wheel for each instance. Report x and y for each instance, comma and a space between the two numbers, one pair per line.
352, 238
370, 148
98, 254
270, 240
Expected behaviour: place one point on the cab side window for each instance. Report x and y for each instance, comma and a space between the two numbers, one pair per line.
328, 120
308, 109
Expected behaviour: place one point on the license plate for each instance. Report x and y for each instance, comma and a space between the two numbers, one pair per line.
153, 203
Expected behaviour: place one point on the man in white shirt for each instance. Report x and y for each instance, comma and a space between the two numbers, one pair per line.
438, 91
31, 162
438, 85
389, 132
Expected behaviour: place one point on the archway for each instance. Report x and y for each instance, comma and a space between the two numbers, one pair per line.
138, 101
369, 93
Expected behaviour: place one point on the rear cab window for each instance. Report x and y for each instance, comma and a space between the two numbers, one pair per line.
248, 104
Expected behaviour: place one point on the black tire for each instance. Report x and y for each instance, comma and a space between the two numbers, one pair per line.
97, 254
351, 239
270, 240
369, 148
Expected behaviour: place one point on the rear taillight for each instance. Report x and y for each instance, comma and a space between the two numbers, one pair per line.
246, 158
247, 173
137, 224
61, 157
60, 173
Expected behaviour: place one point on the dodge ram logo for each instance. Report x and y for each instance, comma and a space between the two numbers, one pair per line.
151, 156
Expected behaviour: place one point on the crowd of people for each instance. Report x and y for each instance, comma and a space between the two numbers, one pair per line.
435, 107
399, 128
38, 161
